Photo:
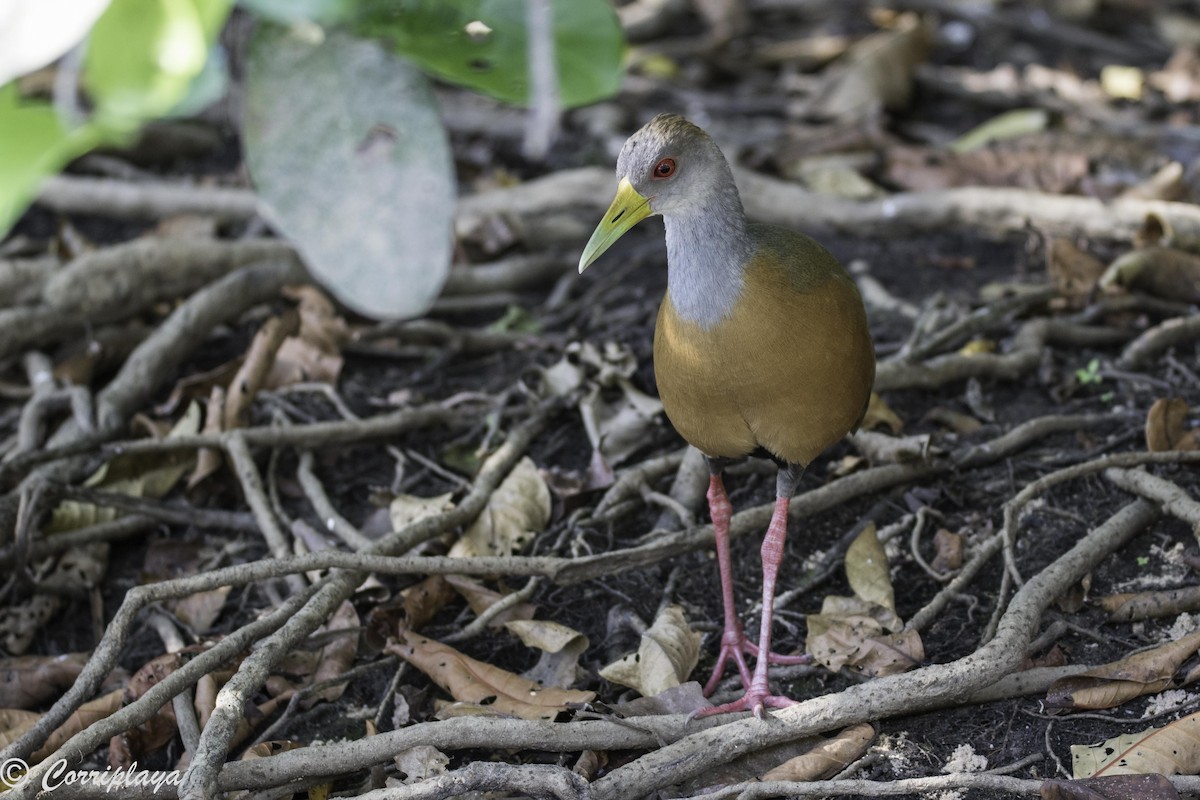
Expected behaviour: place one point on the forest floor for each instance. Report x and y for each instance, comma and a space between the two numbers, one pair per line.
1014, 468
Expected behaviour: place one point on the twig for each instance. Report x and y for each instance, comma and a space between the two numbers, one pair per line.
315, 492
200, 780
1170, 496
481, 622
144, 199
1147, 346
924, 688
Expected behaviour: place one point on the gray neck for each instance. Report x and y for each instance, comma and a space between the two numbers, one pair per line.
707, 250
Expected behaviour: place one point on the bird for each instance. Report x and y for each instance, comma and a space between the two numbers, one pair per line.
761, 347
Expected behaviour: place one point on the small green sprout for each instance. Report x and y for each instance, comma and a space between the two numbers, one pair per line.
1090, 373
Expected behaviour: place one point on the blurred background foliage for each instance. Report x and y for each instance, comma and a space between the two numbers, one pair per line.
358, 173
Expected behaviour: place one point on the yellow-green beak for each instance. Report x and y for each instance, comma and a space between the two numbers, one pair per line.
628, 209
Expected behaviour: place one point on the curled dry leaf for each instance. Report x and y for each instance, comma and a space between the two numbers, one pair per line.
1112, 684
516, 511
863, 632
1074, 272
880, 414
85, 717
488, 688
28, 681
616, 415
876, 72
336, 657
155, 732
667, 654
867, 569
252, 375
314, 353
1160, 271
827, 758
405, 509
210, 459
1170, 750
1130, 607
421, 762
1164, 426
140, 475
411, 609
271, 748
561, 648
949, 555
480, 598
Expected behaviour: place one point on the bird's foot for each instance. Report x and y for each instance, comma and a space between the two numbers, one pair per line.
734, 647
755, 700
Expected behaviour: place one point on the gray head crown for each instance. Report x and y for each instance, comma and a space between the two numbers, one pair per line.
701, 177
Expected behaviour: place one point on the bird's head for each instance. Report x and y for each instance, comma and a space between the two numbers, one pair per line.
670, 166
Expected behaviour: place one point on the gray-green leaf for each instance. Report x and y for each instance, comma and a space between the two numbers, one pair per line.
345, 145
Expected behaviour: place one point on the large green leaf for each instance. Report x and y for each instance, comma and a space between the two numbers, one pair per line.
289, 11
142, 56
33, 144
345, 145
491, 57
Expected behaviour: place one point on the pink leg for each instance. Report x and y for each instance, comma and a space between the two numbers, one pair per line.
733, 641
758, 695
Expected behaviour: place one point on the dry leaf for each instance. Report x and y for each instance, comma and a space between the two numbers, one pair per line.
1164, 426
140, 475
516, 511
336, 657
155, 732
28, 681
861, 643
867, 569
1170, 750
411, 610
828, 758
949, 551
956, 421
1112, 684
271, 748
209, 459
880, 414
480, 598
87, 715
1161, 271
482, 685
666, 656
405, 509
253, 373
1074, 272
420, 762
875, 72
561, 648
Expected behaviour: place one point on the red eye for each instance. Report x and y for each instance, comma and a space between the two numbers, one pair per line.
664, 168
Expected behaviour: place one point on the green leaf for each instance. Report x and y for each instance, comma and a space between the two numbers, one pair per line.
345, 144
33, 145
142, 56
288, 12
491, 57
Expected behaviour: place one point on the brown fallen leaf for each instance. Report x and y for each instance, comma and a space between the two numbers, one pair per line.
252, 375
1074, 272
665, 657
338, 655
867, 569
1133, 606
28, 681
879, 414
949, 555
1173, 749
561, 648
209, 460
480, 598
875, 73
1164, 426
828, 758
516, 511
957, 421
1161, 271
1112, 684
482, 685
410, 610
125, 748
87, 715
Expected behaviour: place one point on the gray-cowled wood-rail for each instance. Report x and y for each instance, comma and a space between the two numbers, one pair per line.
761, 344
